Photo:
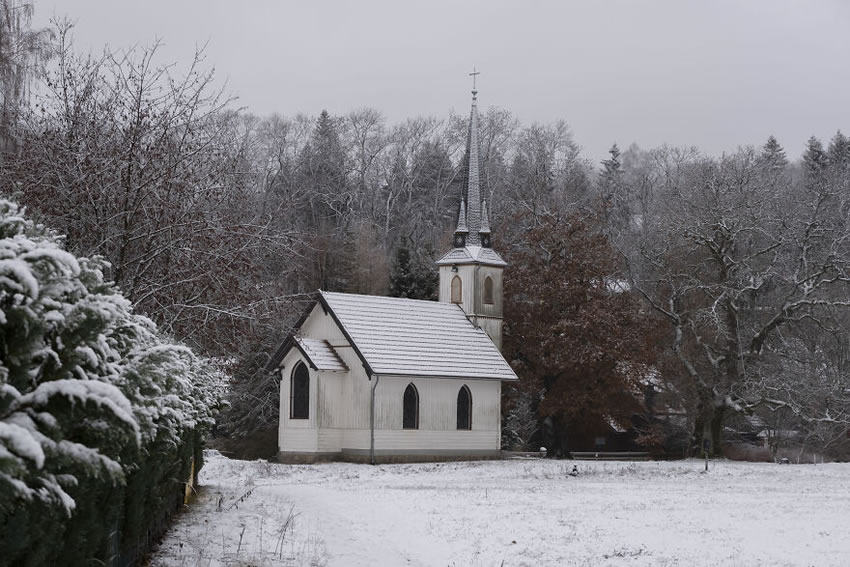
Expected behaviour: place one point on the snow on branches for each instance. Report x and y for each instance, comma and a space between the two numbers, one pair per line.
85, 384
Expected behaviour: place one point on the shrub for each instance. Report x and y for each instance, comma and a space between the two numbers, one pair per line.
100, 417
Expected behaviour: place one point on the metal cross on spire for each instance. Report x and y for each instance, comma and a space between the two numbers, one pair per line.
474, 76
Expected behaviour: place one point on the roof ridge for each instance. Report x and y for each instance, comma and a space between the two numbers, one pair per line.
387, 298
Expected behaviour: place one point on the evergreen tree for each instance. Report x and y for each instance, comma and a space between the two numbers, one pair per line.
815, 159
327, 161
839, 151
773, 155
328, 251
612, 191
612, 166
410, 278
99, 417
611, 175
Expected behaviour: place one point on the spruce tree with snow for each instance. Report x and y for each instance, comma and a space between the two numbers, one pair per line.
773, 154
612, 165
839, 150
815, 159
89, 395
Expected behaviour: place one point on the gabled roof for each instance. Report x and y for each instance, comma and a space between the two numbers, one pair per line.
472, 255
415, 337
321, 354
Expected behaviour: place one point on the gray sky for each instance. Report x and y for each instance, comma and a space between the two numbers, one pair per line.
715, 74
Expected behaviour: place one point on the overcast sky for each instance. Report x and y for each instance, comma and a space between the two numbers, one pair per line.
715, 74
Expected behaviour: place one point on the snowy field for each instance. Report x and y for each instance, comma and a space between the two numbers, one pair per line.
512, 513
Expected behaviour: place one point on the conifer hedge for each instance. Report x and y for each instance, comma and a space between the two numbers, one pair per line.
101, 418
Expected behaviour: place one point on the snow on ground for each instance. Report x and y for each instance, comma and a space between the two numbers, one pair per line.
513, 513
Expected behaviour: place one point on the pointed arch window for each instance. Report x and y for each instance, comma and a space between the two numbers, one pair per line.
299, 392
410, 419
457, 290
464, 408
488, 290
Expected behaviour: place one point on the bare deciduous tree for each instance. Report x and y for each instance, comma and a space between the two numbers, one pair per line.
742, 264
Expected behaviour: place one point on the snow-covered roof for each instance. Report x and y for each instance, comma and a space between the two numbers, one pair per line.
472, 254
416, 337
321, 354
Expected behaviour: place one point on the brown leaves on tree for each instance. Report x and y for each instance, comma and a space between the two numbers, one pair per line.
572, 327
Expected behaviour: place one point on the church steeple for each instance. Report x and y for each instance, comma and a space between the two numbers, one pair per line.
471, 272
473, 181
473, 224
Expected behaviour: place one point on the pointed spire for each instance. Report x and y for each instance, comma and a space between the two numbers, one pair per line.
485, 221
461, 219
473, 189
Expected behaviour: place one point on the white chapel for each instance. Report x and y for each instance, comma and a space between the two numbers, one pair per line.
380, 379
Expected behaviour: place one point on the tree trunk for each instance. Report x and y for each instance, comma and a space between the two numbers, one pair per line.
708, 427
717, 431
697, 435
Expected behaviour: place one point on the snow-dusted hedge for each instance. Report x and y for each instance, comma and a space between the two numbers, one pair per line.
99, 416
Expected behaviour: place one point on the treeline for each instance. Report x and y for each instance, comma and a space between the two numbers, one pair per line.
218, 224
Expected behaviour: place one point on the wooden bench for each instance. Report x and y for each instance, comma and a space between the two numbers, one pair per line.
610, 455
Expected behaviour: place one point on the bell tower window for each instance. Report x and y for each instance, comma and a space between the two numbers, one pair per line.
457, 290
488, 290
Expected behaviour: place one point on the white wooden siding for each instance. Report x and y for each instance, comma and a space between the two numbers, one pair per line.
437, 441
299, 440
438, 403
345, 394
297, 434
416, 440
340, 403
330, 440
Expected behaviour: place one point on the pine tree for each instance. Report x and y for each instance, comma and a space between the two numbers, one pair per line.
612, 166
328, 157
611, 175
327, 208
409, 278
839, 151
815, 159
773, 155
612, 191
